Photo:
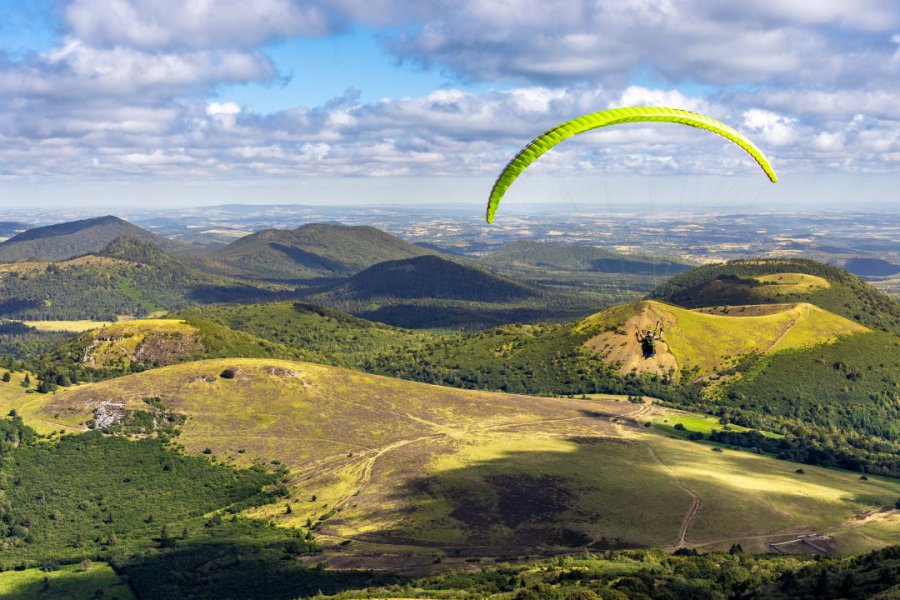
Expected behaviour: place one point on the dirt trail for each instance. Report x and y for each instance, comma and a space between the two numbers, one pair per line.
692, 513
787, 329
690, 517
696, 499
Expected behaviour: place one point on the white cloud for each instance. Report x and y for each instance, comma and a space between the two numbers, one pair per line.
828, 141
128, 90
698, 40
197, 24
76, 70
641, 96
771, 127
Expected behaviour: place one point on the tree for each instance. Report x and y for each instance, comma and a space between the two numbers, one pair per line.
7, 377
166, 539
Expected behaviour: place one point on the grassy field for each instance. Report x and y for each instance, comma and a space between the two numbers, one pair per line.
705, 342
782, 284
666, 420
420, 473
29, 405
69, 326
70, 582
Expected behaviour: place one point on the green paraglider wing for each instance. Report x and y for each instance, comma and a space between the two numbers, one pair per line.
615, 116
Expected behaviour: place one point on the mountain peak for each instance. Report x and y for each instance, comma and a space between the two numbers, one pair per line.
66, 240
314, 250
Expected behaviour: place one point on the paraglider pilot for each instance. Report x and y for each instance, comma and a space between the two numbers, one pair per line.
648, 339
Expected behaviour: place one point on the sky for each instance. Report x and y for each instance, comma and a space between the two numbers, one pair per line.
143, 103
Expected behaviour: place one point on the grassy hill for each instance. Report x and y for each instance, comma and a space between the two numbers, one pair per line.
411, 473
133, 346
68, 240
777, 280
128, 277
700, 343
311, 252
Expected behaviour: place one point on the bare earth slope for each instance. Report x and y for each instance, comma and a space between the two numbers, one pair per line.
709, 340
398, 474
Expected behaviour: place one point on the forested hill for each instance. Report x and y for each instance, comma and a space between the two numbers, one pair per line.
312, 251
430, 277
67, 240
432, 292
535, 255
128, 277
778, 280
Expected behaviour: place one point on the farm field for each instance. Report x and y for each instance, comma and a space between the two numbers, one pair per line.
416, 473
68, 326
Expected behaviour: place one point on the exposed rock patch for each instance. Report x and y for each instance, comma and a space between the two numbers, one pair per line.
107, 414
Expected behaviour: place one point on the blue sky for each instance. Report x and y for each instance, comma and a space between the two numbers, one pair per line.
164, 102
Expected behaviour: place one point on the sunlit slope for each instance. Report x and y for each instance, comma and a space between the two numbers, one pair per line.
702, 342
136, 345
782, 280
417, 472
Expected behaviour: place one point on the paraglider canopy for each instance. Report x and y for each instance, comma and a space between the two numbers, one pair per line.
615, 116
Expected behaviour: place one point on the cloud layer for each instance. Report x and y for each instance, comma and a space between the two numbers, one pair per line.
127, 92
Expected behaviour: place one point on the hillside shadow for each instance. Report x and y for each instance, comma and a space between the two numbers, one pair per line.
453, 315
15, 307
524, 503
244, 294
309, 260
238, 570
603, 494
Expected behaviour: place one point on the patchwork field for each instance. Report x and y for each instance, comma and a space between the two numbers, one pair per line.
706, 341
423, 475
